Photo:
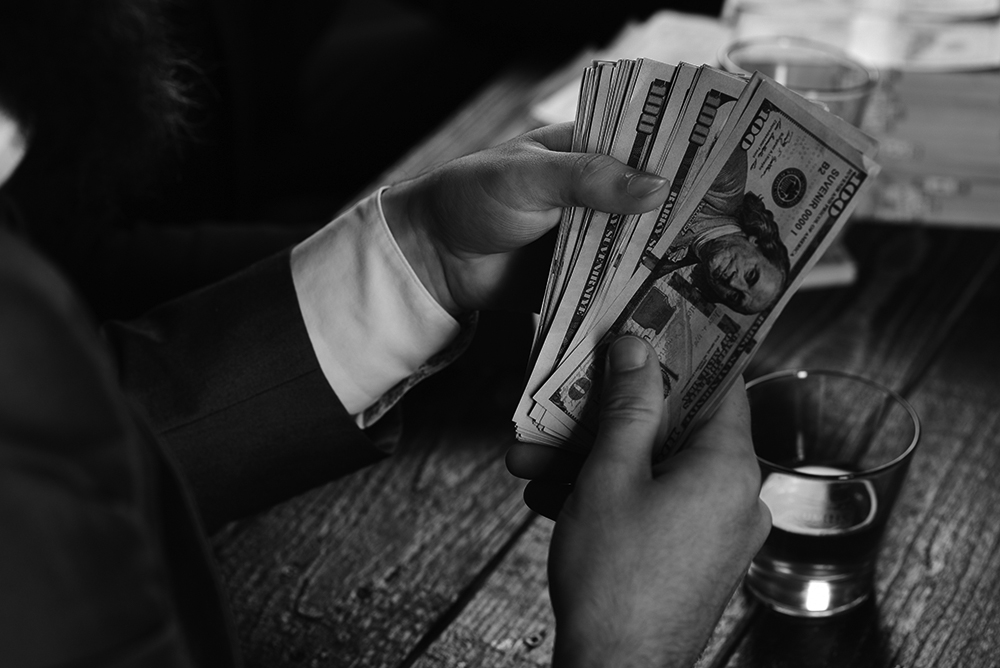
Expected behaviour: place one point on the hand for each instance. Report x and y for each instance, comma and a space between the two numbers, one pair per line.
643, 560
471, 228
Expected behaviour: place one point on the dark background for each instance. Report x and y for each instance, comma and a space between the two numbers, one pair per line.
302, 103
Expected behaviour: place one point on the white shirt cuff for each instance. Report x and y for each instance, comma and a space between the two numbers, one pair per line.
371, 321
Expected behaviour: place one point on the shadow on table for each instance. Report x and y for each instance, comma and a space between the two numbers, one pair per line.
850, 640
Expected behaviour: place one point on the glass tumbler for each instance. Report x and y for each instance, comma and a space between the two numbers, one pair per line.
819, 72
833, 449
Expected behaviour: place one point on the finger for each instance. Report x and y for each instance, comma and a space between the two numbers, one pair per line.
557, 137
561, 179
728, 429
725, 440
543, 462
527, 274
763, 527
631, 406
546, 499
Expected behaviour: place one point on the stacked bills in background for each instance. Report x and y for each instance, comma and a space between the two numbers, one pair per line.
761, 181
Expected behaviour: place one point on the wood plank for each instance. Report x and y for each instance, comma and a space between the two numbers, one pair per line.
941, 572
358, 572
939, 569
509, 622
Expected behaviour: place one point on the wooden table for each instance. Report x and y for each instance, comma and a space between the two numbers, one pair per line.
431, 559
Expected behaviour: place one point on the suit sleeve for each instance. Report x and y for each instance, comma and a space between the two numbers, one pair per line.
82, 575
230, 381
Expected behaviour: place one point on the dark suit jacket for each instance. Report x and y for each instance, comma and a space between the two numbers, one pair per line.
117, 454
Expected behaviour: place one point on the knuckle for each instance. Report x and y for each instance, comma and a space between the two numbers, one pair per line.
743, 470
514, 150
749, 477
589, 166
749, 519
629, 408
739, 487
746, 482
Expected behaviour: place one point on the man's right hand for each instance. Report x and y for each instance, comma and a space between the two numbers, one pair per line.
644, 560
471, 229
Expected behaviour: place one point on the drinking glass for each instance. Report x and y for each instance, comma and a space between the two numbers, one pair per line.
833, 449
920, 35
819, 72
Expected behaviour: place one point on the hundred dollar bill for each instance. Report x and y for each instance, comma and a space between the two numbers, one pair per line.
595, 90
714, 97
700, 126
599, 108
781, 183
697, 125
703, 118
638, 131
603, 96
635, 142
662, 105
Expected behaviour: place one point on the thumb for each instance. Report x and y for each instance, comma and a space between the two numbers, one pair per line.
728, 429
593, 180
631, 406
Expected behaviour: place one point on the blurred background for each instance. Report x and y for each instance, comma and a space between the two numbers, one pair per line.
303, 102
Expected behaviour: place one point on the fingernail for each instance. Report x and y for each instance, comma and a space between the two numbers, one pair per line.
627, 353
642, 185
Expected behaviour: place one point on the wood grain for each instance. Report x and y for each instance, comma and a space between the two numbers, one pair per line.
509, 622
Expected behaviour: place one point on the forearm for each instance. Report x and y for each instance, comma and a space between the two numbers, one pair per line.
368, 313
228, 378
260, 383
123, 272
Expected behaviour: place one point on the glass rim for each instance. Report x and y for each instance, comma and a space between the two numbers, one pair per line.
925, 13
802, 374
872, 73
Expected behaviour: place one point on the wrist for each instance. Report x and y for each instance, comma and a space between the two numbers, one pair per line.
590, 639
589, 652
408, 222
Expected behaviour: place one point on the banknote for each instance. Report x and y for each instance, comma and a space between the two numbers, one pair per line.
650, 113
639, 129
595, 91
773, 188
598, 110
584, 259
712, 97
601, 88
601, 103
643, 149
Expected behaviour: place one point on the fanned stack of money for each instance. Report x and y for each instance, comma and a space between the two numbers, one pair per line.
761, 181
